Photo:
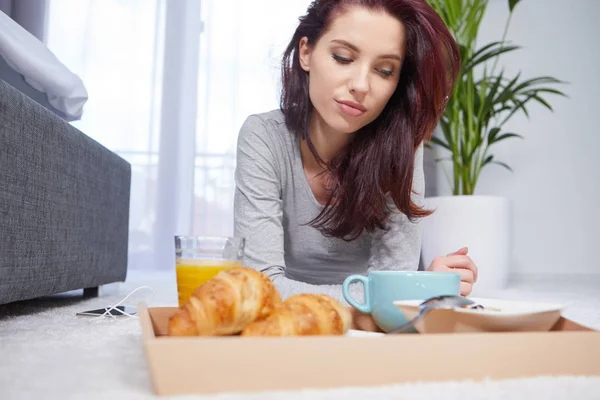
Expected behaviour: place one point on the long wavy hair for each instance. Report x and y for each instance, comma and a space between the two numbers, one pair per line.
380, 159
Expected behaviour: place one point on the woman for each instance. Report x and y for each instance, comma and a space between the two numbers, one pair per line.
332, 183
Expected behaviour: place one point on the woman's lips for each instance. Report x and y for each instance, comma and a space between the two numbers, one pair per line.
351, 108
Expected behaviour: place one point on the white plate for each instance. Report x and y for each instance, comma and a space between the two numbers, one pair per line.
357, 333
497, 316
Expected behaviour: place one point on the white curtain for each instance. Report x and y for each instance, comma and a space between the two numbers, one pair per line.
170, 83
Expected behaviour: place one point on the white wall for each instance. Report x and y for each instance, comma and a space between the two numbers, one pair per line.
555, 187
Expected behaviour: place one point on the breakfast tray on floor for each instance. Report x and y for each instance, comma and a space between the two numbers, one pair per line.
187, 365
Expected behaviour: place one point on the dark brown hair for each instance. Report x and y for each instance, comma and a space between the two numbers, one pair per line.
380, 159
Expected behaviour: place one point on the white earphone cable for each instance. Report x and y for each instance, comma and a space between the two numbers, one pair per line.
108, 309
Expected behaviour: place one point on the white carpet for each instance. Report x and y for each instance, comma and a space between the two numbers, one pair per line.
46, 352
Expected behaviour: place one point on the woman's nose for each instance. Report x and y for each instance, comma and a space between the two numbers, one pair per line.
359, 83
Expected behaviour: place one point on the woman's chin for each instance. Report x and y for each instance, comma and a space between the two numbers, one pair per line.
343, 125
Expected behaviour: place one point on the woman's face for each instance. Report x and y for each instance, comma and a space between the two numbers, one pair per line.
354, 67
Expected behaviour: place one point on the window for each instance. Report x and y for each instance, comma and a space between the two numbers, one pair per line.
117, 48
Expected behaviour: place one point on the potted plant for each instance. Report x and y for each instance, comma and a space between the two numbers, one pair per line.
483, 101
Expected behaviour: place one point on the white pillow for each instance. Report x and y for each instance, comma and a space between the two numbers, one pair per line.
40, 68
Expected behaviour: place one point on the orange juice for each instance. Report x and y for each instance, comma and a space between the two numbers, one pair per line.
193, 273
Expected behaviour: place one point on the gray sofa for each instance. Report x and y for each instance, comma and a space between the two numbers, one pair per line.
64, 204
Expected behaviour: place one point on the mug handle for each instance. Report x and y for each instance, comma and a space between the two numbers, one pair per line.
365, 307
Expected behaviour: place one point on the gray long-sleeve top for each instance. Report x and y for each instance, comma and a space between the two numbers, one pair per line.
274, 203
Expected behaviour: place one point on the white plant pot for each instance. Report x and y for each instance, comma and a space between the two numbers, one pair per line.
481, 223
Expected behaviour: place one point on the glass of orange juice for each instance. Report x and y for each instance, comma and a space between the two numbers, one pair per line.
199, 258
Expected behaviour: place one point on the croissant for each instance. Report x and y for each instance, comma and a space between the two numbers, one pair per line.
226, 304
304, 314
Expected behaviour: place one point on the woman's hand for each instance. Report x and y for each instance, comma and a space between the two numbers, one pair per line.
458, 262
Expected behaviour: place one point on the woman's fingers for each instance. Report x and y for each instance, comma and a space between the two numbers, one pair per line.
363, 322
462, 251
460, 264
457, 261
466, 288
466, 275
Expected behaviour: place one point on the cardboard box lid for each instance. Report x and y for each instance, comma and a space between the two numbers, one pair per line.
224, 364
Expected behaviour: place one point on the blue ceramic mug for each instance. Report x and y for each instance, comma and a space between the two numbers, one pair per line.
382, 288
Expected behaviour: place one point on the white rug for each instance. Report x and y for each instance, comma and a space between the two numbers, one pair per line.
46, 352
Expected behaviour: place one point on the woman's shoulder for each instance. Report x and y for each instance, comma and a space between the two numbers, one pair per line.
273, 116
268, 121
268, 128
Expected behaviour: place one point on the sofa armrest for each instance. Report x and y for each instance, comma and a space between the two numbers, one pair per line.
64, 204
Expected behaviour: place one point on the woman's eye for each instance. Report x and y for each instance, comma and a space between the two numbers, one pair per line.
342, 60
386, 72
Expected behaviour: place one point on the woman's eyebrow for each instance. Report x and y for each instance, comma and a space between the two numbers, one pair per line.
356, 49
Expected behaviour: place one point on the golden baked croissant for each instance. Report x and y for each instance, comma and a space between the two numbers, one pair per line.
226, 304
304, 314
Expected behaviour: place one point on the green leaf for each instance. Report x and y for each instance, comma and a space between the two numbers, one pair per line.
525, 110
509, 91
547, 90
544, 102
492, 134
520, 104
486, 55
485, 48
536, 81
447, 131
487, 160
504, 136
490, 100
452, 11
473, 17
503, 164
440, 142
512, 4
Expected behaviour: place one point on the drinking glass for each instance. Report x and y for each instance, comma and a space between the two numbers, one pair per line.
199, 258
